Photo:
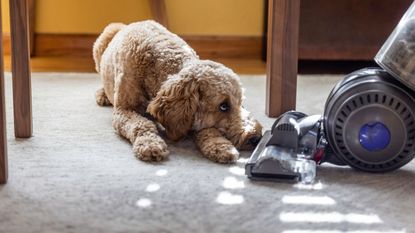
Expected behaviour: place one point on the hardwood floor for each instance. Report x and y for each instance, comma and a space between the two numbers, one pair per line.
86, 64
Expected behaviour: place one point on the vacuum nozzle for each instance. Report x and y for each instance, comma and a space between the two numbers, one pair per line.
287, 151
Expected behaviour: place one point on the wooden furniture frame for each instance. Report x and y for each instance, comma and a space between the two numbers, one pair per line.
19, 25
282, 56
282, 59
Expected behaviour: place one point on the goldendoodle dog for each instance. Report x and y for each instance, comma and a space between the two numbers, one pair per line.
151, 76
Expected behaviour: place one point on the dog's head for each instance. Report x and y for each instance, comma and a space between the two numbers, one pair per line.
205, 94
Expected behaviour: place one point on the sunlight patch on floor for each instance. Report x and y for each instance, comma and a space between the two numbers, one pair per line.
337, 231
308, 200
152, 188
242, 160
227, 198
161, 172
143, 203
333, 217
315, 186
237, 171
231, 182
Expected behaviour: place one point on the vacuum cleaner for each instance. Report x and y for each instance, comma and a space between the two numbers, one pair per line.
368, 121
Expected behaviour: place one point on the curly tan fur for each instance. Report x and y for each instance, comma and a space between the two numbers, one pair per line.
147, 70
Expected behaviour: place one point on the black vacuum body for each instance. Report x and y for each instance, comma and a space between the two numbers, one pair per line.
369, 122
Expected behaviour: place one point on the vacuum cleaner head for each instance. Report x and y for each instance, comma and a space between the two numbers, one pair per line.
287, 151
279, 163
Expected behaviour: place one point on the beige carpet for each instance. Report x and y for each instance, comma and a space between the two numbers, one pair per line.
77, 175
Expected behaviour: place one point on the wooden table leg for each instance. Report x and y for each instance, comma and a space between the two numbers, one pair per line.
282, 56
22, 99
3, 138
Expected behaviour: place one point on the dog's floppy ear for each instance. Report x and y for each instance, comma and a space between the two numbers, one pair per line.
175, 104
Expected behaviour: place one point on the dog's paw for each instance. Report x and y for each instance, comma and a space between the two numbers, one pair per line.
101, 98
150, 148
222, 153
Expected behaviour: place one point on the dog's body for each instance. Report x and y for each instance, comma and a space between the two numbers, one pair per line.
146, 69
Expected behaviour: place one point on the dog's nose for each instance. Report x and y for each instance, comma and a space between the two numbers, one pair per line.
254, 140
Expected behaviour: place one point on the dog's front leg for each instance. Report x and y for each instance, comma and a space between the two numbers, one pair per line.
142, 133
215, 146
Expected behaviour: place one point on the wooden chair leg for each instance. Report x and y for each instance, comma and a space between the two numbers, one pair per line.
22, 99
282, 56
158, 10
31, 6
3, 138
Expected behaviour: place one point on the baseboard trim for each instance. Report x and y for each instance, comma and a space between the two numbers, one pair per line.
208, 47
64, 44
337, 54
226, 46
6, 43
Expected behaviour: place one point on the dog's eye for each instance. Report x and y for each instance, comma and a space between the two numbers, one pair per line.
224, 107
